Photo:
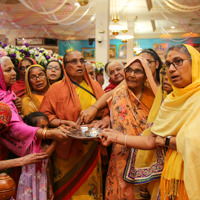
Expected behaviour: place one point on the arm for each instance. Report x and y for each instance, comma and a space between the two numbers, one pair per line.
59, 122
18, 103
109, 136
26, 160
160, 142
54, 134
89, 114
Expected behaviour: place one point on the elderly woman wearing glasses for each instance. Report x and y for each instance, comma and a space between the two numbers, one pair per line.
176, 127
77, 163
36, 87
19, 86
54, 71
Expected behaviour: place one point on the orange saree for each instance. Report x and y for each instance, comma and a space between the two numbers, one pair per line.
128, 116
74, 160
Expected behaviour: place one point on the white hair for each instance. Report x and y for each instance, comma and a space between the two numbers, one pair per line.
3, 60
114, 63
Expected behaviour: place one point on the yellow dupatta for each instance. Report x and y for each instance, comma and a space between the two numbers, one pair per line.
31, 102
179, 116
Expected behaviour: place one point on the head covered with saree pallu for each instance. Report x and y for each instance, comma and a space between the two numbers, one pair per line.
31, 102
179, 116
75, 161
19, 86
145, 166
128, 116
18, 136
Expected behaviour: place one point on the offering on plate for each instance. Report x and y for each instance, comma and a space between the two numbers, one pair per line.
85, 133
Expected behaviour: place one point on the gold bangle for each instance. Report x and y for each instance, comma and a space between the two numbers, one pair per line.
44, 133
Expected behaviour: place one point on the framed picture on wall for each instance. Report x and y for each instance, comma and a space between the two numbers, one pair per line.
88, 53
122, 51
112, 52
160, 49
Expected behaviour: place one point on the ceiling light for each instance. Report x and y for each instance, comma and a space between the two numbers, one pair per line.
77, 4
173, 27
115, 28
124, 37
83, 2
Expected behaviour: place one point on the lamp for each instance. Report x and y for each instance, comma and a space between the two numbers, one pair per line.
83, 2
115, 11
124, 38
115, 28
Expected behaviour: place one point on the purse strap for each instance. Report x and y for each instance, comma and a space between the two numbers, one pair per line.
82, 88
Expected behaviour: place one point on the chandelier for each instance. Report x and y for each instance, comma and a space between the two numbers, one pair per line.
83, 2
124, 38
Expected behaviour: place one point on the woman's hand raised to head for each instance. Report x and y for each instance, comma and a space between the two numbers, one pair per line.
88, 114
108, 136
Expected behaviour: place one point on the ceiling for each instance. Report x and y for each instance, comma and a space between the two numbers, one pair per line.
148, 18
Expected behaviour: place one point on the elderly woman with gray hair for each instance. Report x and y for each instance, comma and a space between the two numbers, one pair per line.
116, 74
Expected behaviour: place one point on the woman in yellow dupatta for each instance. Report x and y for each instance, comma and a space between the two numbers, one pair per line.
130, 107
176, 127
36, 87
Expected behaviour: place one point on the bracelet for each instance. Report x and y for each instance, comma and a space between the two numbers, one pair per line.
44, 133
94, 106
125, 140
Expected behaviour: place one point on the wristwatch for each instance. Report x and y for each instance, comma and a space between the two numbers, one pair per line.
167, 141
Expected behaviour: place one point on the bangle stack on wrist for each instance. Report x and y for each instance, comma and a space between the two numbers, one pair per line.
44, 131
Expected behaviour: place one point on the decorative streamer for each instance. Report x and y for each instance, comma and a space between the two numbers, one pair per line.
194, 4
64, 19
70, 23
192, 8
178, 9
44, 13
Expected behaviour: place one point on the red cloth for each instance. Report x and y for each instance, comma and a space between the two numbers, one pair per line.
19, 87
111, 86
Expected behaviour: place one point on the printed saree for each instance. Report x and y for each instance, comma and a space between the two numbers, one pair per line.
128, 116
77, 173
179, 116
144, 167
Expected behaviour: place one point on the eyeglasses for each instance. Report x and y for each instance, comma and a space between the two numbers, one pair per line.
150, 61
40, 76
23, 68
75, 61
52, 67
176, 63
136, 71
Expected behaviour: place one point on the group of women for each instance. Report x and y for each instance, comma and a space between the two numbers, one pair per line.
153, 119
